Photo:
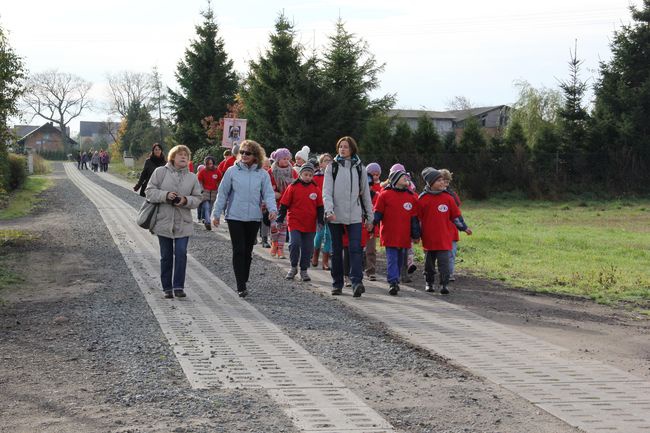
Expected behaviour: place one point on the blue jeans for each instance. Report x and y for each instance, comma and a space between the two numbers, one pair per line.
452, 257
173, 259
205, 211
356, 254
301, 248
395, 257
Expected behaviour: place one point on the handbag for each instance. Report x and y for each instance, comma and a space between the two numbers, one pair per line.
148, 212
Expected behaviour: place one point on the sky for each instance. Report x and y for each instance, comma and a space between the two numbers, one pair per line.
433, 51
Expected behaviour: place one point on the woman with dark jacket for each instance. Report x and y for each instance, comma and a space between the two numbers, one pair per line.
156, 159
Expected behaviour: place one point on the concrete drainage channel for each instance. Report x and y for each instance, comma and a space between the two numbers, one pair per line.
589, 395
221, 341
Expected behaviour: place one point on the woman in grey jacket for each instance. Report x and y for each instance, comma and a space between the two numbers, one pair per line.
241, 192
177, 190
346, 196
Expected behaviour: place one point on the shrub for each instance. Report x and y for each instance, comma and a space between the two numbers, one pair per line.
40, 165
17, 172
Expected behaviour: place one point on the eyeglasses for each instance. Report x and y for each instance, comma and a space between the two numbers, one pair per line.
245, 152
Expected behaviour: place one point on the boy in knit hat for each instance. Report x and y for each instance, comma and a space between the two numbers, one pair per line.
436, 210
397, 209
302, 204
374, 172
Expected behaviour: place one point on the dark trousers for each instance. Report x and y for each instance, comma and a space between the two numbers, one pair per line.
243, 235
173, 261
394, 259
442, 257
356, 253
301, 248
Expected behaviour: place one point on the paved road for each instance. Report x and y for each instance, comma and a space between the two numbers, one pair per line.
254, 353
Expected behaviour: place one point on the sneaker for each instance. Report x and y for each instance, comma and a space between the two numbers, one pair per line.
292, 273
337, 291
358, 290
168, 294
452, 278
394, 288
429, 288
242, 293
304, 275
265, 244
179, 293
444, 290
372, 278
412, 269
208, 226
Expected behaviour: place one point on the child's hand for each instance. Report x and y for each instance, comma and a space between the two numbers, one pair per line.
468, 231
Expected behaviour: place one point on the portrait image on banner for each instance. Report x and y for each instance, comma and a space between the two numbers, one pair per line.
234, 131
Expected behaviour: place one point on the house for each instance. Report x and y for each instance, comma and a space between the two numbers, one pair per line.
98, 134
45, 138
492, 119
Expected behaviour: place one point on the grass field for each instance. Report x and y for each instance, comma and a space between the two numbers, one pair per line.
118, 168
600, 250
22, 201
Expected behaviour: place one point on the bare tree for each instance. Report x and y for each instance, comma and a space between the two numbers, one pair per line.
58, 97
459, 103
128, 87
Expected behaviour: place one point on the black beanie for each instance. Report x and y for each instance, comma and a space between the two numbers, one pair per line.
306, 166
430, 175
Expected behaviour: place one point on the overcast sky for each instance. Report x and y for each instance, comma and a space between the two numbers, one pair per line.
433, 50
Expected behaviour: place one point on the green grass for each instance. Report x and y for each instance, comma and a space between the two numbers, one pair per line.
119, 169
599, 250
23, 200
9, 239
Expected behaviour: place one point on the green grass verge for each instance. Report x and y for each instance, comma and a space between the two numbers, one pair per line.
9, 239
599, 250
22, 201
131, 174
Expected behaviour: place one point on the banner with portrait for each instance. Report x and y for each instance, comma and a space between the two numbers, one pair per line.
234, 131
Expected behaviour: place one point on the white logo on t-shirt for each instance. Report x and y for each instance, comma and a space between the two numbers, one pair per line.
215, 176
313, 196
408, 205
443, 208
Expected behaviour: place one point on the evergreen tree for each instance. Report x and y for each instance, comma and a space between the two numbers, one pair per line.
271, 94
207, 83
473, 140
401, 142
376, 137
572, 114
515, 135
350, 73
137, 133
425, 138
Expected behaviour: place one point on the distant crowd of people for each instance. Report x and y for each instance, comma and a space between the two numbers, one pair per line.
98, 160
330, 209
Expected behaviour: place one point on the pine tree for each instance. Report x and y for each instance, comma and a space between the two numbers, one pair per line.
350, 73
425, 138
207, 83
401, 141
137, 132
573, 116
473, 140
376, 138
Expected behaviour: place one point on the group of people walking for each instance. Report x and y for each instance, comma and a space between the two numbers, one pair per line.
97, 159
334, 206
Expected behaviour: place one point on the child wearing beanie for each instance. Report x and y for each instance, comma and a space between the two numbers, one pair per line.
323, 239
374, 172
436, 210
302, 204
282, 175
302, 156
397, 209
447, 176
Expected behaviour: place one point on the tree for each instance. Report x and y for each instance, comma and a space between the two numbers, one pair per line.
270, 94
425, 138
376, 137
207, 83
459, 103
126, 88
137, 133
535, 109
572, 114
58, 97
401, 141
473, 140
350, 73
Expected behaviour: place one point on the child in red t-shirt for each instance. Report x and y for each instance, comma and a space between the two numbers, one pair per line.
447, 176
209, 179
436, 210
397, 209
302, 202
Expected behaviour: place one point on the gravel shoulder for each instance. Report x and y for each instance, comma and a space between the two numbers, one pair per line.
82, 350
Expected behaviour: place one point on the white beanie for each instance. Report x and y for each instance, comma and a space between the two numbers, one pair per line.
303, 153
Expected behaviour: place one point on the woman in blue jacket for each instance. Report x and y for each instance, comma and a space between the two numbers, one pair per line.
243, 189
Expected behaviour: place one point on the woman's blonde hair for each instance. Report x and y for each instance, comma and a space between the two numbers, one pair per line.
322, 156
446, 174
176, 149
258, 151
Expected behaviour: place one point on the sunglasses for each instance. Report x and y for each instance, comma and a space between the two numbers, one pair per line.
245, 152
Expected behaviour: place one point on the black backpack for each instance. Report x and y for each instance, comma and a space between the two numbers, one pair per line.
335, 171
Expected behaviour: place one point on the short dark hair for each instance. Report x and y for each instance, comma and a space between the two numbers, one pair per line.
354, 149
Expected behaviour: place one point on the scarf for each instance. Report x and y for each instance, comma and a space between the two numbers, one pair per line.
428, 190
283, 176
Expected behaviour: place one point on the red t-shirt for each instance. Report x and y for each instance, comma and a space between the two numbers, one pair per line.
435, 212
302, 202
454, 230
225, 165
209, 179
397, 208
320, 180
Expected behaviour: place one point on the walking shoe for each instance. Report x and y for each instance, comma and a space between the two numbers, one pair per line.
372, 277
304, 275
429, 288
168, 294
444, 290
179, 293
348, 283
292, 273
358, 290
242, 293
265, 242
452, 277
274, 248
412, 269
336, 291
208, 226
394, 288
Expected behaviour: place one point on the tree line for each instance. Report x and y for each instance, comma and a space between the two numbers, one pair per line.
554, 142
